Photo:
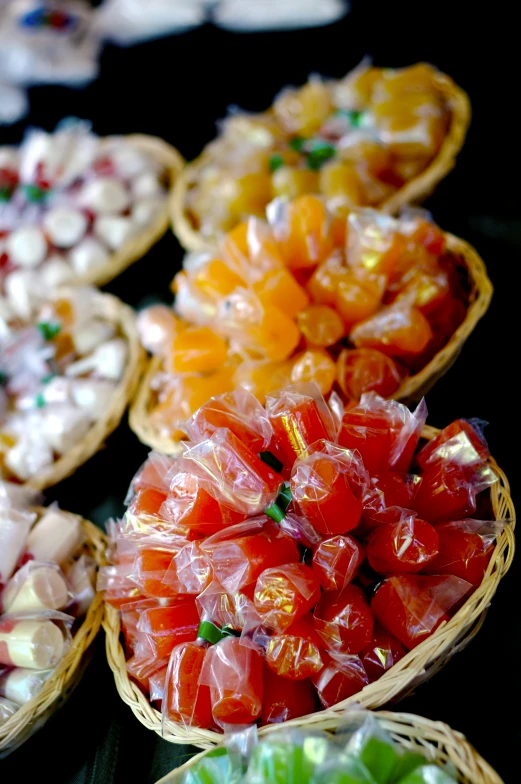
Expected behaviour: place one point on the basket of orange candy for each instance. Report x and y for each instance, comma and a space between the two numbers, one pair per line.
378, 137
300, 556
357, 304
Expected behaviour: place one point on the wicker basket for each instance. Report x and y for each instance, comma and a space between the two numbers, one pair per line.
415, 191
113, 310
417, 666
411, 389
31, 716
136, 247
436, 740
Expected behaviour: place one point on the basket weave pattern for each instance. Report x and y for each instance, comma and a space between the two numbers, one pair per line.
411, 389
435, 739
417, 666
414, 191
113, 310
56, 689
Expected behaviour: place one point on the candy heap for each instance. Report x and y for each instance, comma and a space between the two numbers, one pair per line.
60, 363
46, 584
355, 141
354, 305
288, 557
289, 756
69, 199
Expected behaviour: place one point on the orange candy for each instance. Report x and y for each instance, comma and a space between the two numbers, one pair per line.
306, 241
356, 300
197, 350
362, 370
323, 284
320, 325
279, 288
216, 279
395, 330
314, 365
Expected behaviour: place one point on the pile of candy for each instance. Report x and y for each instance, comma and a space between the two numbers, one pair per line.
288, 557
355, 141
60, 363
46, 585
290, 756
353, 304
69, 199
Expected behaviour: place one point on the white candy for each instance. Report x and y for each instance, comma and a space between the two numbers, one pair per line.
146, 184
128, 161
92, 395
26, 459
26, 246
21, 685
105, 195
55, 537
107, 361
14, 527
9, 158
114, 231
55, 272
65, 226
63, 426
145, 211
19, 291
89, 335
7, 709
88, 254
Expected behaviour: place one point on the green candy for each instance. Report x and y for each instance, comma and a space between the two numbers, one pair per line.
276, 161
283, 762
377, 753
214, 768
428, 774
345, 770
407, 762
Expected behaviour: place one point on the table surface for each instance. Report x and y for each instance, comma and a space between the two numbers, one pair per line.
177, 88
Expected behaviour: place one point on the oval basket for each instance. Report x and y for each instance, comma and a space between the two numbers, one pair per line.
111, 309
405, 676
54, 692
415, 191
409, 391
136, 247
435, 739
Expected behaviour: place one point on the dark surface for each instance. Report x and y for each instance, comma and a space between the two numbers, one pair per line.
176, 88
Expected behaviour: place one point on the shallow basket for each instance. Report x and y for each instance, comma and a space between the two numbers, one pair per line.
436, 740
409, 391
56, 689
136, 247
115, 311
415, 191
417, 666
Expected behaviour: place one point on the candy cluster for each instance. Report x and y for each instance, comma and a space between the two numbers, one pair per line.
366, 755
60, 362
69, 200
355, 141
294, 552
46, 584
353, 304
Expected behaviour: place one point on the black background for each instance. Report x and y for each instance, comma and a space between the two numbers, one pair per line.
177, 88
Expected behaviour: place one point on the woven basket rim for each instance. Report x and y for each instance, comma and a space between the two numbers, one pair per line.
416, 190
441, 742
412, 388
417, 666
28, 714
136, 247
114, 310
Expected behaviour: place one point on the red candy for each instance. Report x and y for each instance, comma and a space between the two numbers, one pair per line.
405, 547
336, 561
165, 627
340, 678
283, 699
412, 608
296, 653
284, 594
298, 420
383, 651
150, 568
326, 485
344, 620
233, 671
188, 702
471, 428
465, 549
